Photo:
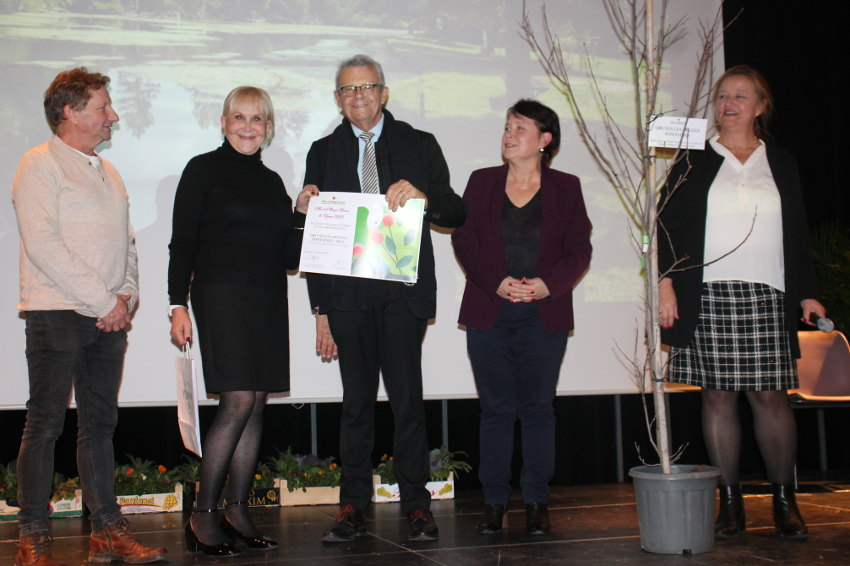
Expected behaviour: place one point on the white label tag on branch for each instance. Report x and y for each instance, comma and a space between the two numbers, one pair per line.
677, 132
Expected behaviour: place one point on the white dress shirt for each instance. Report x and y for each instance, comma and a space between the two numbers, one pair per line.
744, 196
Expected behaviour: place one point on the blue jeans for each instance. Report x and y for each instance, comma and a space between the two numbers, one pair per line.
64, 349
516, 365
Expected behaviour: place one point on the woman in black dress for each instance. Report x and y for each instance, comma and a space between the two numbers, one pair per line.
234, 236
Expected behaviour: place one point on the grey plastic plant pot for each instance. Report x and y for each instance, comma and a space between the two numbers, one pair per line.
676, 511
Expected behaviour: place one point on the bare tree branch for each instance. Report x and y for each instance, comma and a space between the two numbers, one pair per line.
625, 158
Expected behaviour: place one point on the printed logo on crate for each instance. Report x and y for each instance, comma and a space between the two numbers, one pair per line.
68, 507
389, 493
152, 502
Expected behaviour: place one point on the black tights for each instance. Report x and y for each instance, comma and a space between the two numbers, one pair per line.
231, 448
775, 429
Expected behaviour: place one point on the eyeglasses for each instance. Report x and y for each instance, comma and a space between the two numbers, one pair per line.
365, 89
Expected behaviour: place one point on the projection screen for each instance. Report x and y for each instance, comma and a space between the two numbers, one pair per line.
452, 68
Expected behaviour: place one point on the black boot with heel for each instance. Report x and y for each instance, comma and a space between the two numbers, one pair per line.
731, 518
786, 516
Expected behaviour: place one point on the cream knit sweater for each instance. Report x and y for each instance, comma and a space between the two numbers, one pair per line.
77, 246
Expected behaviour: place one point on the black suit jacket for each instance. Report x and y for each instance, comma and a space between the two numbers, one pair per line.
681, 237
402, 152
563, 255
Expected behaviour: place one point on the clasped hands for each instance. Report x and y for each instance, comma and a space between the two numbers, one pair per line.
522, 290
118, 317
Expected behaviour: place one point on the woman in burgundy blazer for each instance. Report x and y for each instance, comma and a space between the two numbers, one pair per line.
525, 243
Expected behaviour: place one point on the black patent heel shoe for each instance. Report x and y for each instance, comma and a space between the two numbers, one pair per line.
731, 518
193, 544
259, 542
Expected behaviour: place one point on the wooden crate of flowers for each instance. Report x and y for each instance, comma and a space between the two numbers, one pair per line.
306, 480
443, 467
66, 499
264, 490
263, 493
145, 487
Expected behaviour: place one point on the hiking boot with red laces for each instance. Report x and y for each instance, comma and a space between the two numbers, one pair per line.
349, 525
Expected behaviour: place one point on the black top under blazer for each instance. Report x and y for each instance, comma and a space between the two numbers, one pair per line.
563, 255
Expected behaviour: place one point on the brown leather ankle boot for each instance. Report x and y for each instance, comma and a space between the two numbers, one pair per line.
116, 542
34, 550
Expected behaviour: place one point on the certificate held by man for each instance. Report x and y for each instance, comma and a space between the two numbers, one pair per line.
357, 235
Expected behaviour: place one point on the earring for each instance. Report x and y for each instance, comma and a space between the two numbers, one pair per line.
541, 150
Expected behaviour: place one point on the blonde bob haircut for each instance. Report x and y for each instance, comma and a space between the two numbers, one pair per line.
263, 99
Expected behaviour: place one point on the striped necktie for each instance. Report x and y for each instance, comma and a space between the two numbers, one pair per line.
369, 174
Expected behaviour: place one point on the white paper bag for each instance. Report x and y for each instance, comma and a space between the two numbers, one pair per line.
187, 402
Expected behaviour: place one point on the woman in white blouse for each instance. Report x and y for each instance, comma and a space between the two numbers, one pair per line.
737, 272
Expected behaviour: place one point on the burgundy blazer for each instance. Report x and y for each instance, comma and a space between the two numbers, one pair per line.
563, 256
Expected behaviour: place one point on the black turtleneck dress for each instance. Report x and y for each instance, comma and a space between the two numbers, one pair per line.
233, 238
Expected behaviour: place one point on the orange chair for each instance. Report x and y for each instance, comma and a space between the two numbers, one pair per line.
824, 370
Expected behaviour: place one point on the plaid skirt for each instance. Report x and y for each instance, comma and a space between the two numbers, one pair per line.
740, 343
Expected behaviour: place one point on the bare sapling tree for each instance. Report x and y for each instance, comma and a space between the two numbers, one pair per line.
623, 154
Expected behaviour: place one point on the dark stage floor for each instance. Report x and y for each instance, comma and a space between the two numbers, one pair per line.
591, 525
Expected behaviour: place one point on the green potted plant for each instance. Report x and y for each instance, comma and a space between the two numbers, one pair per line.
66, 500
8, 492
831, 248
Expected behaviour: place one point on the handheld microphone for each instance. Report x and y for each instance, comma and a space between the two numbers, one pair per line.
823, 323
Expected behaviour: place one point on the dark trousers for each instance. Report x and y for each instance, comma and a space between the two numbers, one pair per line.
516, 366
388, 338
64, 349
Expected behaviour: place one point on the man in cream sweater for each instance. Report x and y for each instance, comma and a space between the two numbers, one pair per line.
79, 285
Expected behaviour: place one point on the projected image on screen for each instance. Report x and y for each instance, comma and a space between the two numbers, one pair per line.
453, 68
